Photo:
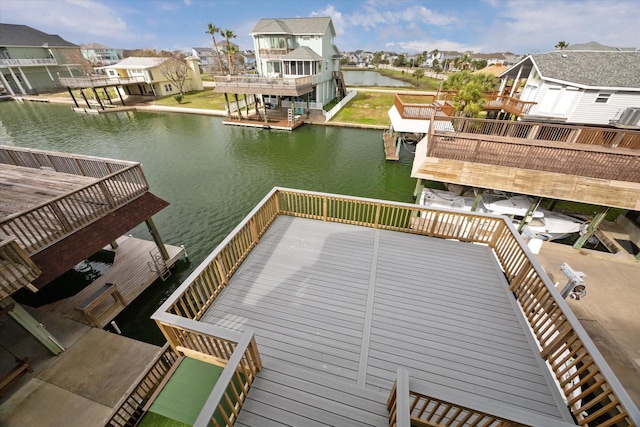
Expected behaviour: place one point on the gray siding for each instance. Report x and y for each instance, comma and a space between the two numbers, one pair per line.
350, 305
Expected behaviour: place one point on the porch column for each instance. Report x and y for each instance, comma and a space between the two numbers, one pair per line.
6, 84
24, 78
591, 229
32, 326
515, 82
15, 79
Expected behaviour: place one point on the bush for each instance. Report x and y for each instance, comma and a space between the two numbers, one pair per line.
178, 98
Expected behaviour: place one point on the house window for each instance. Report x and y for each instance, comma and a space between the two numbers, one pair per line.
168, 87
603, 98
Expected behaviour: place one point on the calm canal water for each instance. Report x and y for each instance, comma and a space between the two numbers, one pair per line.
371, 78
212, 174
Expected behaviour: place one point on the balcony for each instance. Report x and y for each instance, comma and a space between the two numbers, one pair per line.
326, 296
293, 86
31, 62
593, 165
53, 195
273, 53
86, 82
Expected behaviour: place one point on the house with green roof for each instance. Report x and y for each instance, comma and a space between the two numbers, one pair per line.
32, 61
589, 87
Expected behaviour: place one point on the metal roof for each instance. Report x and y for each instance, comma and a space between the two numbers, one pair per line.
136, 62
22, 35
587, 69
294, 26
303, 53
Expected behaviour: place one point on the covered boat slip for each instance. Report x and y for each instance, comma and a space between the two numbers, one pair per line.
341, 307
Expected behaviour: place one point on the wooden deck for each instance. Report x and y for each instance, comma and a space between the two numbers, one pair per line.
390, 150
338, 308
130, 273
24, 188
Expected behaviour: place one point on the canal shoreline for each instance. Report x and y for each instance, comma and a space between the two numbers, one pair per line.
184, 110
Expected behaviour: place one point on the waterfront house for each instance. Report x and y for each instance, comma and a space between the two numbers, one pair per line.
321, 309
207, 58
99, 54
32, 61
297, 62
590, 87
146, 76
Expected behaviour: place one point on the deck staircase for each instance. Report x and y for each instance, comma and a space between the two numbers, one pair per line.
341, 88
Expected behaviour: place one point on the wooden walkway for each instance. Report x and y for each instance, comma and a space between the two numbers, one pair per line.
130, 273
351, 304
390, 150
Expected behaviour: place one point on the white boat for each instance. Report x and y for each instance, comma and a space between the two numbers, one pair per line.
543, 224
440, 199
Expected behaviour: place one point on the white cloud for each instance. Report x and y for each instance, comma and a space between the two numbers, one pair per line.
537, 26
77, 21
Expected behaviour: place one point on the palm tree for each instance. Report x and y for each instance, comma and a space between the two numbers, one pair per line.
562, 45
228, 34
213, 30
230, 50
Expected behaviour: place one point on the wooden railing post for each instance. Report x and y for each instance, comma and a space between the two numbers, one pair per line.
324, 208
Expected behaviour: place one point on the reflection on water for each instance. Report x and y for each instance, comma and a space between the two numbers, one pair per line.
212, 174
371, 78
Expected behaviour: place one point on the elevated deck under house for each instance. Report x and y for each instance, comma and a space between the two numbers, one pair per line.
333, 310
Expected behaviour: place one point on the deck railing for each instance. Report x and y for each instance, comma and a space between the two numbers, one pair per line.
129, 410
596, 161
27, 62
86, 82
228, 395
594, 394
423, 111
16, 268
417, 403
588, 135
117, 183
231, 83
507, 103
238, 353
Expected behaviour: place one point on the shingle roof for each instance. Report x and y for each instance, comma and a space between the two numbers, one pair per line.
596, 69
22, 35
595, 46
303, 53
138, 62
293, 26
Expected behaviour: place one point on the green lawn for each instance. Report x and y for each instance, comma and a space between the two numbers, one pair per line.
368, 108
205, 99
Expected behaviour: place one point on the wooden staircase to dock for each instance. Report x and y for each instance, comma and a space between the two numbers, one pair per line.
390, 149
341, 87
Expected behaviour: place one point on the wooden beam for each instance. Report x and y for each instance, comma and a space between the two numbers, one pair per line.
34, 327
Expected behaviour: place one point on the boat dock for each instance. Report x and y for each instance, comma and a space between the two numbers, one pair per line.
133, 271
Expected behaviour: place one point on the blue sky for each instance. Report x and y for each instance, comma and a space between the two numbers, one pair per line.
403, 26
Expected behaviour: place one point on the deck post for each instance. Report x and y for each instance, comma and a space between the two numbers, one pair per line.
534, 205
85, 98
120, 96
32, 326
477, 200
593, 225
235, 95
156, 238
324, 208
73, 97
97, 97
106, 93
226, 102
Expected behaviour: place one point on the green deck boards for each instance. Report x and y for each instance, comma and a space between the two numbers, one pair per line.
185, 393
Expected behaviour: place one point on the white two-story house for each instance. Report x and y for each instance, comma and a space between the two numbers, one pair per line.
299, 47
575, 86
